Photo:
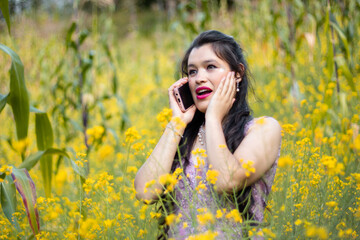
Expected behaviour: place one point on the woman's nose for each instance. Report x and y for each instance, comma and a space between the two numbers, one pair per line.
201, 76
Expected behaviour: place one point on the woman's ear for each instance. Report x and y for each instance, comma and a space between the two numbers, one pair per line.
242, 67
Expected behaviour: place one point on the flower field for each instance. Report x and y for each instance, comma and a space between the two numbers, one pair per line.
105, 95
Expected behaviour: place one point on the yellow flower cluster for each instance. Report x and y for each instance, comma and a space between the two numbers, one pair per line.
172, 218
131, 135
248, 167
205, 218
208, 235
164, 116
211, 176
285, 161
95, 133
317, 232
332, 166
169, 181
5, 169
235, 216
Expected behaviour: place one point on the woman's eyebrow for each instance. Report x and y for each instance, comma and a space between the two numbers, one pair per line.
203, 62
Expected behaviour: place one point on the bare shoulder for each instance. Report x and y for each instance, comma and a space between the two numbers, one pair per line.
267, 127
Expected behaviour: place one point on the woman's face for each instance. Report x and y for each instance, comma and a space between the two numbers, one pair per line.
205, 71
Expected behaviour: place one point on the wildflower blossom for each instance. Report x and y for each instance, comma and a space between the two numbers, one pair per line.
208, 235
131, 135
164, 116
95, 133
169, 181
235, 216
248, 167
205, 218
211, 176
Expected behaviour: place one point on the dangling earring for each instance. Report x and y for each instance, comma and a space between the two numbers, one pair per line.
237, 87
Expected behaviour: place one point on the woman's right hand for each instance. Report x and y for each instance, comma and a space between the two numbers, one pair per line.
187, 116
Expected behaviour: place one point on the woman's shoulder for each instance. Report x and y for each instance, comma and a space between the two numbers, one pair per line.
263, 124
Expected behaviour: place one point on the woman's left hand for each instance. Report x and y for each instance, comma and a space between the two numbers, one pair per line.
223, 98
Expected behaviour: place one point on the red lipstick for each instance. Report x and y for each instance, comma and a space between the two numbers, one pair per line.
203, 92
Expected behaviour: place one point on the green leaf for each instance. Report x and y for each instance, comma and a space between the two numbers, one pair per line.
3, 100
26, 188
346, 71
78, 170
342, 37
330, 53
35, 110
18, 96
8, 200
4, 7
45, 140
32, 160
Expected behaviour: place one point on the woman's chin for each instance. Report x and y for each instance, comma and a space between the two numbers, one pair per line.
201, 107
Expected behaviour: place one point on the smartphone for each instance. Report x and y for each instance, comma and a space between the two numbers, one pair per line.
183, 97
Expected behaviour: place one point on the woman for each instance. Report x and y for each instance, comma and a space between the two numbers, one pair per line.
242, 151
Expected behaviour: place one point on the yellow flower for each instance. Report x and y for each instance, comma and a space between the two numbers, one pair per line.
331, 204
169, 181
200, 186
199, 152
332, 166
155, 215
95, 133
141, 233
248, 167
177, 171
288, 128
148, 185
164, 116
298, 222
205, 218
319, 232
219, 213
235, 216
269, 233
138, 147
105, 151
211, 176
108, 223
172, 218
178, 123
285, 161
131, 135
208, 235
131, 169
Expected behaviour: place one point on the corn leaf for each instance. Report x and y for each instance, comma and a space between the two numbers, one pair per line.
3, 100
45, 140
26, 188
342, 36
346, 71
330, 53
4, 7
8, 200
18, 97
33, 159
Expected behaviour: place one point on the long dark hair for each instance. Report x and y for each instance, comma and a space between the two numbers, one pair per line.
227, 49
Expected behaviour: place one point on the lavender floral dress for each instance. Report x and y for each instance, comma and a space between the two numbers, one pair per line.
192, 201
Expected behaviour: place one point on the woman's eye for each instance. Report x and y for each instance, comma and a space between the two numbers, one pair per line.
192, 72
211, 66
